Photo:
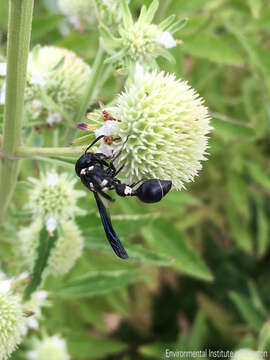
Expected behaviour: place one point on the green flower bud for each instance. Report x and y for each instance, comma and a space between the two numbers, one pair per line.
54, 196
68, 247
140, 41
56, 81
166, 124
49, 348
247, 354
11, 320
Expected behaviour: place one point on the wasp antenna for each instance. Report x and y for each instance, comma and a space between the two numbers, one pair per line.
93, 143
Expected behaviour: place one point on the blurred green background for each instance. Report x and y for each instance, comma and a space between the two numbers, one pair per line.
198, 274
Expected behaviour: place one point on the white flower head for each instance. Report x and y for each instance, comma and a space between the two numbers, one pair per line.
53, 195
52, 347
11, 321
3, 69
166, 124
61, 76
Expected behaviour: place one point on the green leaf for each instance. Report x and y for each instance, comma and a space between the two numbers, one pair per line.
98, 283
165, 238
46, 243
81, 346
247, 311
264, 338
212, 48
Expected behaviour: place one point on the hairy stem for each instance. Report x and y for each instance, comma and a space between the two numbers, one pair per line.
19, 30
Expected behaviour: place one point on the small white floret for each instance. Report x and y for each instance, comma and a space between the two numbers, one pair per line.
167, 40
5, 286
38, 78
54, 118
51, 224
52, 179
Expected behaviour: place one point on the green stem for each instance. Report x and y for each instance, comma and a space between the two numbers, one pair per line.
74, 151
19, 31
96, 70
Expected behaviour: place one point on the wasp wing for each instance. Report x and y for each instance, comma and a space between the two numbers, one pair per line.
118, 248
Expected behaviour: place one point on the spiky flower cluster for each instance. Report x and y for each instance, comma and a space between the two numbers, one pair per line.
52, 347
166, 124
54, 196
56, 81
140, 41
11, 320
65, 254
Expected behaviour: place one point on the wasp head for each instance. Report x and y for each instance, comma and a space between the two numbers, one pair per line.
83, 162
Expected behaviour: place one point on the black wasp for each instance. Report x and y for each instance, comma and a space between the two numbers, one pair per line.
98, 173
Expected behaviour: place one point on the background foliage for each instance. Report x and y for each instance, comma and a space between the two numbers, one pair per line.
199, 261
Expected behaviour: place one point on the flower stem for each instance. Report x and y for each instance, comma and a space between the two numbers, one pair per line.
97, 67
25, 151
19, 31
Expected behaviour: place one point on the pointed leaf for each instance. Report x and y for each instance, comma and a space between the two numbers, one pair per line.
46, 244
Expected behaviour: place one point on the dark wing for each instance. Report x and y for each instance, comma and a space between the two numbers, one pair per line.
118, 248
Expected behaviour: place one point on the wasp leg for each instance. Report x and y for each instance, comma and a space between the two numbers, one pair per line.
106, 196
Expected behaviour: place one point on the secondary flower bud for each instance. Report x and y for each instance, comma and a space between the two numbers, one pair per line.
140, 40
56, 81
53, 197
62, 258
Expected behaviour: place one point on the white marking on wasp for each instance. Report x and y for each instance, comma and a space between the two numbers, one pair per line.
104, 182
91, 168
91, 186
105, 189
83, 171
128, 190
